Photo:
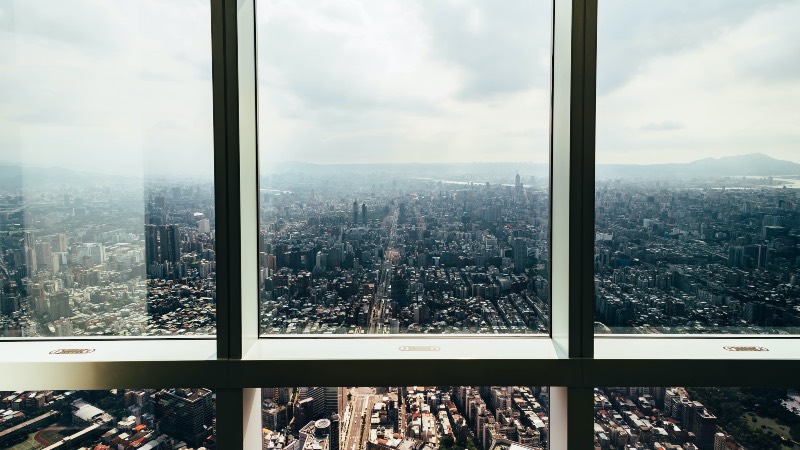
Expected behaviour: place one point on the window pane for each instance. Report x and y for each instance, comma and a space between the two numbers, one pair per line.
145, 419
696, 206
106, 169
391, 418
705, 418
404, 166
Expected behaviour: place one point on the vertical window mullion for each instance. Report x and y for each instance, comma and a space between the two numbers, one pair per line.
572, 175
233, 34
224, 237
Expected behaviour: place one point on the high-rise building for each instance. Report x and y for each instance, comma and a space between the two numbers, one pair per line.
719, 441
29, 239
520, 254
60, 242
9, 304
170, 243
204, 226
59, 306
303, 411
355, 213
331, 401
334, 436
705, 427
364, 213
151, 244
319, 394
186, 414
275, 417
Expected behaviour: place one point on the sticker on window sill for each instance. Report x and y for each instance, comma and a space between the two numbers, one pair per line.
419, 348
71, 351
742, 348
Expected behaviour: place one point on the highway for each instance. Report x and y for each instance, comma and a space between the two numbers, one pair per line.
359, 412
377, 315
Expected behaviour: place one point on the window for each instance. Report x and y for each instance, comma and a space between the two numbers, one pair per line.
404, 177
695, 206
237, 363
107, 209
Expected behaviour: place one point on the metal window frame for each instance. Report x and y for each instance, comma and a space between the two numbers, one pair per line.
570, 360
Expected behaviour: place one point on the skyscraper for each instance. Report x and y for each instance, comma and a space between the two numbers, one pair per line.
151, 244
185, 414
355, 212
170, 243
520, 254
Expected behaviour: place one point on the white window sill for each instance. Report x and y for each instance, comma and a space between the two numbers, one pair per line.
413, 348
151, 363
677, 347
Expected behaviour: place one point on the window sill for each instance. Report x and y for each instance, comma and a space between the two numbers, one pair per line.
109, 364
397, 361
693, 361
694, 347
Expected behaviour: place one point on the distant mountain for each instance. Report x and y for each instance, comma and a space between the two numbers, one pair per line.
13, 177
754, 164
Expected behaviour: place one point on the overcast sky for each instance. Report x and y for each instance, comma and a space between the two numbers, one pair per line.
122, 87
125, 87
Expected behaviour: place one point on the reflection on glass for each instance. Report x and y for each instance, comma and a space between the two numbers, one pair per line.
696, 199
406, 418
106, 185
662, 418
145, 419
404, 177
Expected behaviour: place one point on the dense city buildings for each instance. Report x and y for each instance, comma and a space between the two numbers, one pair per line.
167, 419
406, 418
107, 258
420, 255
662, 418
703, 255
352, 250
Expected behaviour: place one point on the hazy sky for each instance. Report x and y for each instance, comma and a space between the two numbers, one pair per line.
125, 87
404, 80
122, 87
680, 80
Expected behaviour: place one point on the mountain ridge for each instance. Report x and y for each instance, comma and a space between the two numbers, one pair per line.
752, 164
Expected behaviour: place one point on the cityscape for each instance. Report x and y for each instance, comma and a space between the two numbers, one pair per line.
343, 254
396, 249
405, 418
700, 255
677, 418
107, 259
142, 419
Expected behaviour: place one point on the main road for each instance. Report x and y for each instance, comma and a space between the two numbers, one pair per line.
358, 424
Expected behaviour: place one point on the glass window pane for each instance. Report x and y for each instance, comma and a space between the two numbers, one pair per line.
691, 418
696, 206
404, 166
404, 418
106, 169
145, 419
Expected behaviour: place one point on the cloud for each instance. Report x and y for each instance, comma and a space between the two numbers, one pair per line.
113, 73
394, 81
662, 126
732, 91
501, 47
630, 34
